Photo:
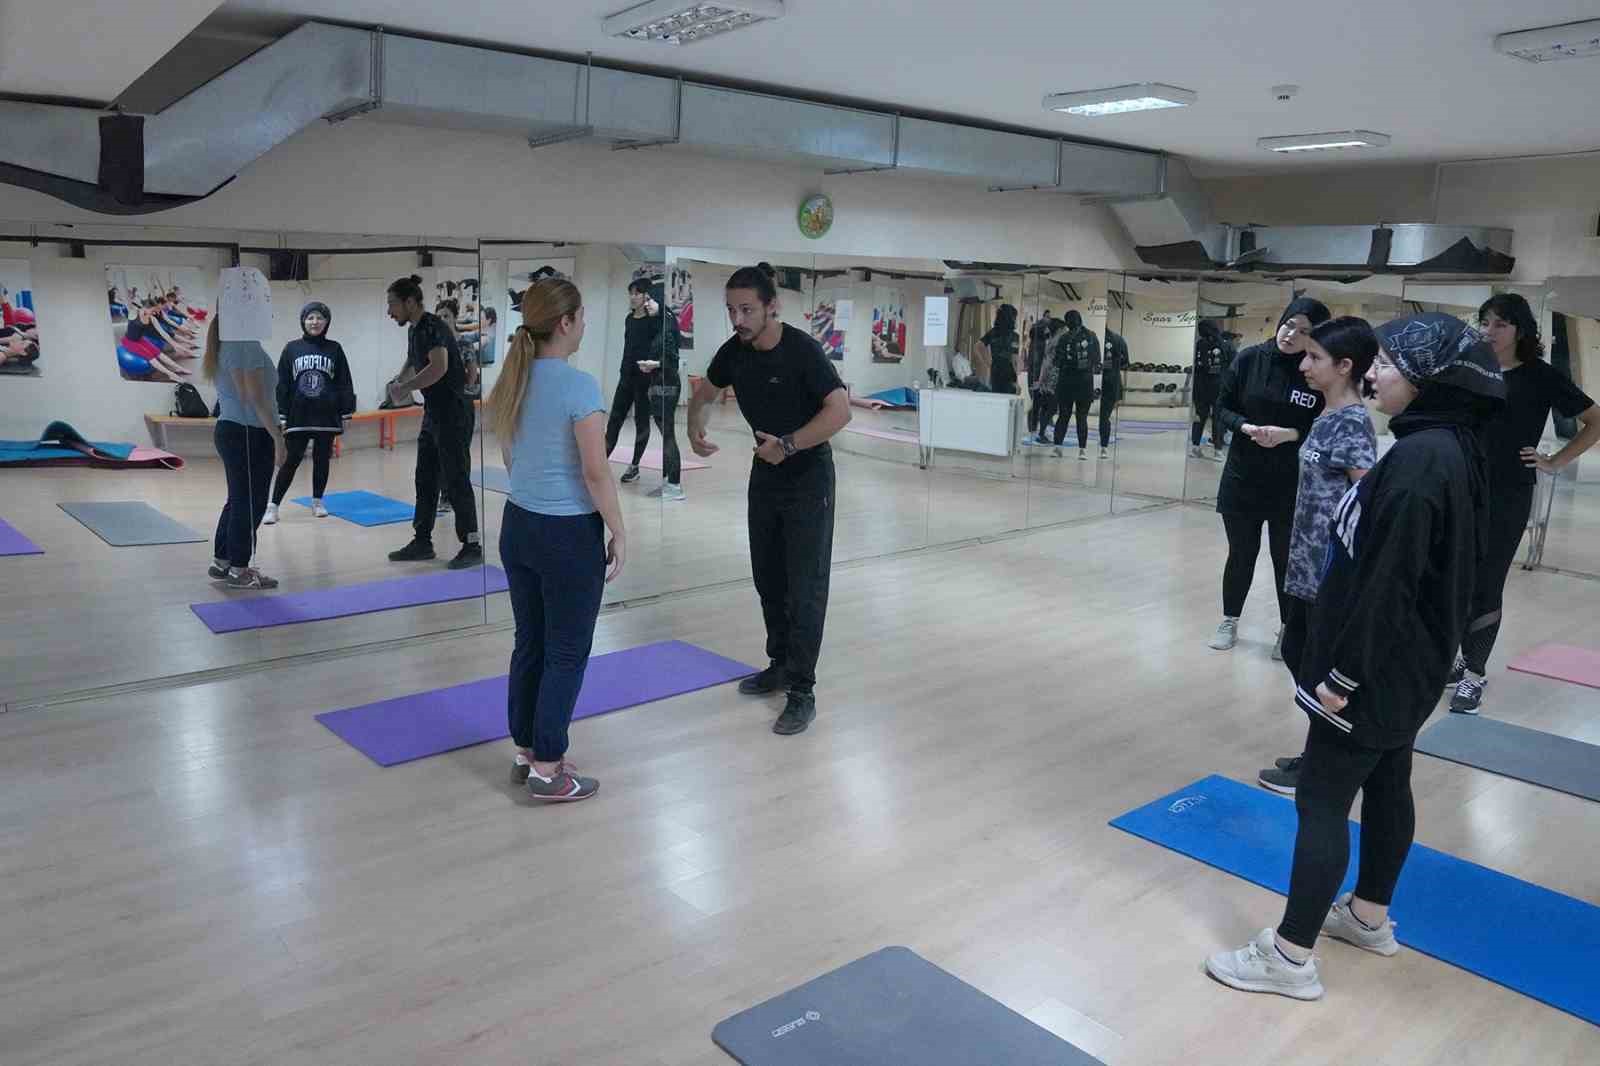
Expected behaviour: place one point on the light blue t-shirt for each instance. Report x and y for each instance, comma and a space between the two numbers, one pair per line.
546, 471
251, 358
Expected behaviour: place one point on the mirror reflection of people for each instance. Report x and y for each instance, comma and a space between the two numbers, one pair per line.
1038, 361
549, 420
433, 366
250, 445
1213, 353
1399, 575
1112, 369
648, 384
1339, 450
1533, 389
315, 396
791, 395
1000, 348
1264, 400
1076, 358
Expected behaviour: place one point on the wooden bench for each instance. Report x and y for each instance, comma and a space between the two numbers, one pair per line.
388, 421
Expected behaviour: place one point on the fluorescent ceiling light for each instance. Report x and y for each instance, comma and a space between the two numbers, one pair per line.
1123, 98
684, 21
1575, 40
1324, 142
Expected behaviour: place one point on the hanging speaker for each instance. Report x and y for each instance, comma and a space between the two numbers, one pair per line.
122, 157
288, 266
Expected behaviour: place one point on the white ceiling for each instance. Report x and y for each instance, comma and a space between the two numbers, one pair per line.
87, 49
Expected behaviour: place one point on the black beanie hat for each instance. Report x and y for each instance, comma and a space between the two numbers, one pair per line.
320, 308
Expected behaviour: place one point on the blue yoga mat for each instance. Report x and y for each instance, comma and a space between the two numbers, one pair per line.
364, 508
60, 441
1527, 938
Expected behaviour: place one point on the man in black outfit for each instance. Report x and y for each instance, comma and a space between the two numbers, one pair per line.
444, 444
793, 399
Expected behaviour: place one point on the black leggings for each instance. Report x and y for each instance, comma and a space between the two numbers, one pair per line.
1205, 408
1296, 624
247, 456
1244, 547
632, 395
1509, 509
1074, 395
321, 457
1332, 772
1110, 396
1037, 418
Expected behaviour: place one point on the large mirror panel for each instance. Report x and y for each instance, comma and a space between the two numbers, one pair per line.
1567, 520
1156, 327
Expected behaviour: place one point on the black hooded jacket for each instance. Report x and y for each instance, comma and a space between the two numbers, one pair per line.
652, 338
315, 391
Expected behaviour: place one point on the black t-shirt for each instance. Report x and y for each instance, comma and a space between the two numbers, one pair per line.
429, 333
1532, 389
779, 391
1264, 387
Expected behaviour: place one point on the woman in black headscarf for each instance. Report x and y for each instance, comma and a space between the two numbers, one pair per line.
1264, 400
1001, 344
1077, 360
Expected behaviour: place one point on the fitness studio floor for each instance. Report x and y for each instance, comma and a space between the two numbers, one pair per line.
205, 874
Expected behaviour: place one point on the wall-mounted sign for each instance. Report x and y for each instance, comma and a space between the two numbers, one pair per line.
1169, 319
936, 321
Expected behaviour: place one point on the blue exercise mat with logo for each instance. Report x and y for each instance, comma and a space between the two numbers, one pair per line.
1529, 939
364, 508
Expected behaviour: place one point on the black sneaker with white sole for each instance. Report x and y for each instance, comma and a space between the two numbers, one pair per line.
1469, 693
1457, 672
772, 679
797, 715
416, 551
630, 475
1282, 779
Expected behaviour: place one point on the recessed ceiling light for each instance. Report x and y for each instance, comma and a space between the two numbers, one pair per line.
685, 22
1575, 40
1119, 100
1324, 142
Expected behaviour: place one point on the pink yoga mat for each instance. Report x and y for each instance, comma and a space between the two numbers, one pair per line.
652, 458
1581, 666
899, 436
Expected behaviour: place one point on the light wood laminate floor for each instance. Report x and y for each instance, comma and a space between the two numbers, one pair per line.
206, 875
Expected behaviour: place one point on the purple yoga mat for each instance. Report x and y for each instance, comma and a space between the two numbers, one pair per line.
14, 543
394, 731
262, 612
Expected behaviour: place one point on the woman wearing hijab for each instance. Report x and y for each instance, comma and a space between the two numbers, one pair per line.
1408, 539
1213, 353
1076, 360
1000, 347
1533, 388
1264, 400
315, 396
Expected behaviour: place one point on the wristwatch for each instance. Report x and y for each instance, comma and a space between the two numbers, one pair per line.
787, 440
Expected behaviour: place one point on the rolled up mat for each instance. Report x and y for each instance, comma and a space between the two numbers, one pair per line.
131, 523
364, 508
891, 1008
400, 730
1543, 759
264, 612
12, 542
1529, 939
1563, 662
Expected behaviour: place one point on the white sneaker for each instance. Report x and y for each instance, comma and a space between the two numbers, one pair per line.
1083, 455
1218, 455
1342, 925
666, 491
1227, 635
271, 517
1105, 453
1260, 967
1055, 453
1194, 451
317, 510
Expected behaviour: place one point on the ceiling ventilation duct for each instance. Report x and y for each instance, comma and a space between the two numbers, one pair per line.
1176, 230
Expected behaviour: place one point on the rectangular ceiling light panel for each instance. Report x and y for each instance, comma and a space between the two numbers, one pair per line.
1575, 40
685, 22
1121, 99
1324, 142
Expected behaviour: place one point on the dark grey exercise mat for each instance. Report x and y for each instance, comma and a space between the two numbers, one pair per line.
127, 523
1543, 759
892, 1008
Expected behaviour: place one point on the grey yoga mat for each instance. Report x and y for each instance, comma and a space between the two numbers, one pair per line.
1543, 759
130, 523
892, 1008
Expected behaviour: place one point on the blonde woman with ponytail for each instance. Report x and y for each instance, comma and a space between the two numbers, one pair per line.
551, 424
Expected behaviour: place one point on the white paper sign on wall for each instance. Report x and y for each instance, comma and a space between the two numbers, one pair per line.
936, 321
244, 307
843, 312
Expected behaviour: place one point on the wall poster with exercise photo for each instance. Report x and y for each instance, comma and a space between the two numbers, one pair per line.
457, 298
522, 273
888, 326
680, 305
159, 317
830, 322
19, 333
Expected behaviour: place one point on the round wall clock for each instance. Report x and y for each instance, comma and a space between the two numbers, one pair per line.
816, 216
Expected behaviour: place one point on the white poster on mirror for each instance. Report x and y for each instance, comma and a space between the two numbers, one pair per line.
936, 321
19, 333
158, 320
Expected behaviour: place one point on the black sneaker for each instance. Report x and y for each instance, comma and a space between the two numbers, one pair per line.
1282, 778
416, 551
1469, 694
469, 556
765, 683
630, 475
797, 714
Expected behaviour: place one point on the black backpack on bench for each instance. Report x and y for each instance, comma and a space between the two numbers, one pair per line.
188, 403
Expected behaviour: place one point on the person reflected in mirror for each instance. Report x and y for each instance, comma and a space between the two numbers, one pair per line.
1533, 389
1038, 360
663, 388
550, 422
1076, 357
1213, 353
640, 330
315, 396
433, 366
250, 445
1264, 400
794, 401
1404, 549
1112, 385
1339, 450
1000, 348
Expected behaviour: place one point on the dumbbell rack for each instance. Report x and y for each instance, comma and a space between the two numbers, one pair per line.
1141, 391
